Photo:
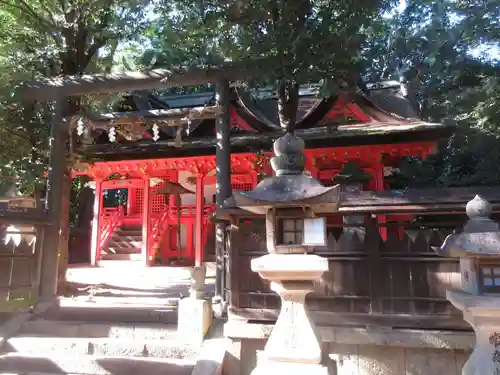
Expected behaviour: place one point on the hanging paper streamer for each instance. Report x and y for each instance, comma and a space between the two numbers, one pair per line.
156, 132
112, 134
80, 126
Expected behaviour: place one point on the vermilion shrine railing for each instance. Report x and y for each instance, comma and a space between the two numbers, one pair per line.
113, 217
158, 227
111, 220
168, 217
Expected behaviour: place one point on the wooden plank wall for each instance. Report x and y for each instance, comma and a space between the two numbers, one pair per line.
19, 266
393, 282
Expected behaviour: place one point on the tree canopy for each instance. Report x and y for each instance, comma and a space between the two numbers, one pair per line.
450, 48
49, 38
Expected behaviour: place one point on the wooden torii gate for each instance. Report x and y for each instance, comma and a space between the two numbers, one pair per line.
59, 88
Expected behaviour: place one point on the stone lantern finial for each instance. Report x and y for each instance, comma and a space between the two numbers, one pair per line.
289, 159
479, 211
478, 208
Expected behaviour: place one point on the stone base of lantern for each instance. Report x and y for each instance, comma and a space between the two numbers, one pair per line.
195, 319
483, 314
270, 367
294, 345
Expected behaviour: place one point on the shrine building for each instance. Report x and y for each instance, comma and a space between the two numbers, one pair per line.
156, 157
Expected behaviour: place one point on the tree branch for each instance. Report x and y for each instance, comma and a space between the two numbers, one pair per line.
13, 132
25, 7
48, 11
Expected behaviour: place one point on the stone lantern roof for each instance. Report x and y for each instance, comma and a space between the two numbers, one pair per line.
289, 188
480, 237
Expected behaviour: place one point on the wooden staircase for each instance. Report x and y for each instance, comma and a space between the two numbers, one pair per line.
125, 244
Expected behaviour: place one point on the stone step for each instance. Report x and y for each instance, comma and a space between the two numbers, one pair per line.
102, 347
17, 363
49, 328
106, 311
127, 240
119, 250
128, 232
133, 256
116, 247
127, 235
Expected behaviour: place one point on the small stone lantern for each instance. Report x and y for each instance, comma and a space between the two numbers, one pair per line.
351, 180
293, 204
478, 248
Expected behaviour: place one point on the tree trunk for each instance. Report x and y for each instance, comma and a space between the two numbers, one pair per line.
288, 103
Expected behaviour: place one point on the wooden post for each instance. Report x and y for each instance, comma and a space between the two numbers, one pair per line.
200, 208
376, 276
146, 222
222, 177
95, 249
54, 204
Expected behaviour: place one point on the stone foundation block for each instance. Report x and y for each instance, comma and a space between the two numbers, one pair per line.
195, 319
269, 367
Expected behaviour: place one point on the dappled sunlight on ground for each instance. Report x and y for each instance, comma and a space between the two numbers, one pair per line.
132, 280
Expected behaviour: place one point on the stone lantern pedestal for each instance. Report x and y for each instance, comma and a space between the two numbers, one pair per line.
483, 314
294, 339
478, 248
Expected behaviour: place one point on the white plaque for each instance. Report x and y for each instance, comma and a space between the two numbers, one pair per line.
315, 232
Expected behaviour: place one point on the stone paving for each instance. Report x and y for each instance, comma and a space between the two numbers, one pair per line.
121, 319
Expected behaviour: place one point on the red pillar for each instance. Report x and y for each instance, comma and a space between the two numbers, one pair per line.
95, 250
172, 220
382, 219
200, 208
146, 222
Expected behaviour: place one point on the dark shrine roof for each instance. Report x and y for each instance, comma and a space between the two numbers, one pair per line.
380, 114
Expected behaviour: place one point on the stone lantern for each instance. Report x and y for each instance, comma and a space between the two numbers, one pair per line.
293, 205
478, 248
351, 180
